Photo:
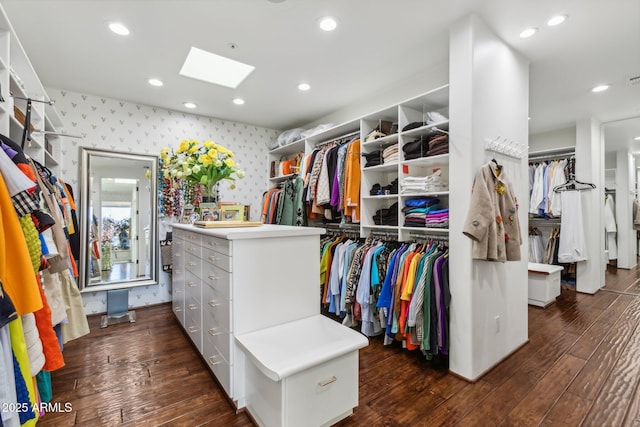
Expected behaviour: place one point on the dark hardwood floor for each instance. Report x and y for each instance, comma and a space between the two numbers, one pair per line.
622, 280
579, 368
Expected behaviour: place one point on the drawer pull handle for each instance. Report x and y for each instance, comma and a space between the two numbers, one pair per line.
213, 332
192, 329
191, 237
192, 284
178, 255
325, 383
211, 243
192, 264
193, 307
214, 303
211, 258
178, 309
213, 277
212, 361
177, 291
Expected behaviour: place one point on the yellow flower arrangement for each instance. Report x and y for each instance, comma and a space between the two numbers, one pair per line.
204, 163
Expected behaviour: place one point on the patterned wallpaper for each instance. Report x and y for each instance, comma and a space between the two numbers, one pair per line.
112, 124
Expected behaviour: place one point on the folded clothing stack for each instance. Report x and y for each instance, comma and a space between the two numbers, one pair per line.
387, 216
416, 149
416, 210
390, 154
377, 189
373, 159
432, 118
423, 184
438, 218
438, 144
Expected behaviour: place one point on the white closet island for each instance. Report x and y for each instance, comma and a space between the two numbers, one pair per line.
230, 282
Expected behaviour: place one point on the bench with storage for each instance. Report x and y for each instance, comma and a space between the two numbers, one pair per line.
301, 373
544, 283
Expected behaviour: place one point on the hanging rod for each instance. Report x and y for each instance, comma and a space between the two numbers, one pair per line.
49, 102
52, 133
332, 140
426, 236
552, 157
340, 226
437, 129
384, 234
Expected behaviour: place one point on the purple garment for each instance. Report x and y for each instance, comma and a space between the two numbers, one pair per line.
335, 192
10, 151
440, 307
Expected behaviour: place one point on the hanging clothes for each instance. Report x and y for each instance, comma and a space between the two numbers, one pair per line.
400, 291
573, 246
610, 227
492, 220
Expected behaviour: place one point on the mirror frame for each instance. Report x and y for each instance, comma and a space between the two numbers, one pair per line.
84, 175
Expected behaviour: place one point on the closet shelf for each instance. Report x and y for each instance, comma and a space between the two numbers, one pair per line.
381, 197
382, 168
294, 147
438, 160
427, 129
380, 142
282, 177
49, 160
425, 194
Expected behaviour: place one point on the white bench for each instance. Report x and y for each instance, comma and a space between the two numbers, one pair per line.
544, 283
301, 373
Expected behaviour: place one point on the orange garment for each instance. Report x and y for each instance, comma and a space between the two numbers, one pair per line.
16, 271
351, 206
329, 260
53, 359
407, 292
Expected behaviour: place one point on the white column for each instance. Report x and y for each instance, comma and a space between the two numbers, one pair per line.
625, 185
489, 97
590, 168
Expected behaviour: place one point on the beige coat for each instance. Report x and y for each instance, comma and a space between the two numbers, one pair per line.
492, 220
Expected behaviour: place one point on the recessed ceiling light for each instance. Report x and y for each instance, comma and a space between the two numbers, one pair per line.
119, 28
304, 86
600, 88
211, 68
189, 104
637, 138
328, 23
238, 101
528, 32
155, 82
556, 20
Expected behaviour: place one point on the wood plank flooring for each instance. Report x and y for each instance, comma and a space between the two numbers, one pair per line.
623, 280
580, 368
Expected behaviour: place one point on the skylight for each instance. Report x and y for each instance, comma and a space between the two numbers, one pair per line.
211, 68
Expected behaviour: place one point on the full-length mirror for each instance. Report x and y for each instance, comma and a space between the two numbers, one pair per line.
118, 220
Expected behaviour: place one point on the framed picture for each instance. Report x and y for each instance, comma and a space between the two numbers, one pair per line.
232, 213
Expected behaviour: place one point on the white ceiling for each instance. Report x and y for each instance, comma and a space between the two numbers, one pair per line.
378, 44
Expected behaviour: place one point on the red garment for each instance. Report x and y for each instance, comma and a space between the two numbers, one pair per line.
53, 359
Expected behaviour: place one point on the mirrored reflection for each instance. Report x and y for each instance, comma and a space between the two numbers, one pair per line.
119, 220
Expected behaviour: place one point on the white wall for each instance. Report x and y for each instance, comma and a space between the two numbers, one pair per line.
590, 168
489, 95
113, 124
625, 190
559, 138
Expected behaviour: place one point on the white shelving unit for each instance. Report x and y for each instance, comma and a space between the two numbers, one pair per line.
19, 79
409, 111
